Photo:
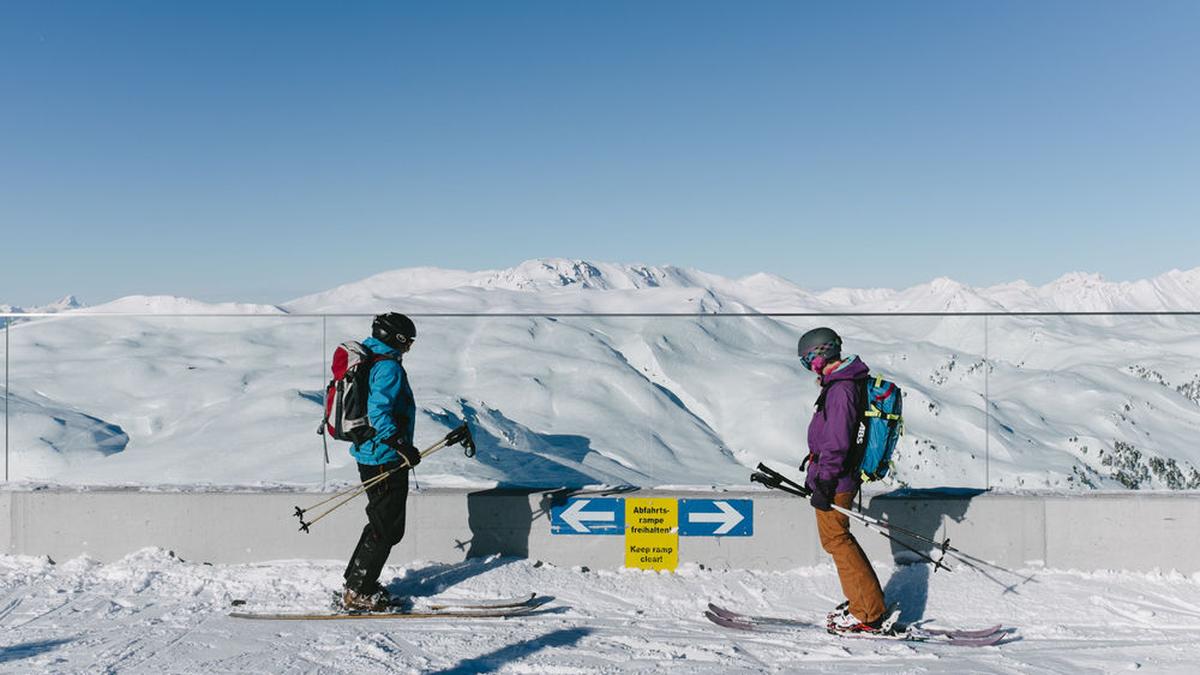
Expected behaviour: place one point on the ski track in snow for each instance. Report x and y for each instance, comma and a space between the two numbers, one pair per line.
151, 612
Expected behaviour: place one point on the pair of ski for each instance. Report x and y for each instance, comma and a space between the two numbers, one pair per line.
983, 637
431, 609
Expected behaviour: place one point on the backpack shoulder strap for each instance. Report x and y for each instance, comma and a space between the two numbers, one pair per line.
376, 357
820, 403
871, 409
862, 389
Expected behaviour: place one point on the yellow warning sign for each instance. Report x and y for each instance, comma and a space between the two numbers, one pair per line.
652, 534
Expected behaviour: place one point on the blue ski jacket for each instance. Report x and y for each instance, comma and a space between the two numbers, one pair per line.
390, 407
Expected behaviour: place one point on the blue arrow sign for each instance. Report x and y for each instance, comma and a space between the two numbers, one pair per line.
588, 515
716, 517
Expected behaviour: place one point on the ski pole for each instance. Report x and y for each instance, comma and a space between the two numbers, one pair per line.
356, 489
366, 485
773, 479
937, 564
883, 527
776, 482
944, 545
460, 435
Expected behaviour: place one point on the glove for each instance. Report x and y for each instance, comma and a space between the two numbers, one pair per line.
822, 495
406, 450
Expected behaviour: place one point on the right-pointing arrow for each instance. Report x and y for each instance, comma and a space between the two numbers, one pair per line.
575, 516
728, 517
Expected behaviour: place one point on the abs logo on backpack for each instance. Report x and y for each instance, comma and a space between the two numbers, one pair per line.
884, 425
346, 394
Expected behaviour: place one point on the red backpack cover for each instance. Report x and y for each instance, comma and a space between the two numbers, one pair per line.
346, 394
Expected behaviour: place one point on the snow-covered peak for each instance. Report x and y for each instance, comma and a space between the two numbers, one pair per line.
544, 284
170, 304
1078, 279
547, 273
375, 292
766, 280
1189, 278
554, 284
65, 304
1079, 291
562, 273
855, 298
942, 294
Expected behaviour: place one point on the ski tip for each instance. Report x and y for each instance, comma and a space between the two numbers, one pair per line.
721, 611
723, 622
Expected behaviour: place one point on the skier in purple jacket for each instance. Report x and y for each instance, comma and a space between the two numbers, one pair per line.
834, 476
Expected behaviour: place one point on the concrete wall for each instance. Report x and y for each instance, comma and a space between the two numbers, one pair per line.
1134, 531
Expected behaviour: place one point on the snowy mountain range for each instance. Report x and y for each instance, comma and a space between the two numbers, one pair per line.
67, 303
572, 398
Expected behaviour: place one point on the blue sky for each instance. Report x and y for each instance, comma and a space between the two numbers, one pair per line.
261, 151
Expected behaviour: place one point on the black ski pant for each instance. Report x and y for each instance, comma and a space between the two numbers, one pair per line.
384, 529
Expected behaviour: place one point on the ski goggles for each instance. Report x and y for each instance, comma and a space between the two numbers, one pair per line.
807, 360
819, 356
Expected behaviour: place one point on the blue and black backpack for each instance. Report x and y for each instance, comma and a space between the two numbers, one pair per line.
883, 425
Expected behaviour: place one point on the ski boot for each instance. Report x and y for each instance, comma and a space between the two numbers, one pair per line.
375, 598
846, 624
838, 612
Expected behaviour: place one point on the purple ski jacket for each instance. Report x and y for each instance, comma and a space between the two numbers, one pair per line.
833, 430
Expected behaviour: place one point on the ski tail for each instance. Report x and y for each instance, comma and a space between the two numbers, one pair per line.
495, 613
960, 633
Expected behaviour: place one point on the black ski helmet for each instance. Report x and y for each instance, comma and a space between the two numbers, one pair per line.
393, 329
818, 337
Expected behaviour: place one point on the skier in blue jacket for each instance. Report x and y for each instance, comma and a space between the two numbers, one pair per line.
392, 412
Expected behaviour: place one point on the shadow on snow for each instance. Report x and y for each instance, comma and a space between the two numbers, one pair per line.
495, 660
29, 649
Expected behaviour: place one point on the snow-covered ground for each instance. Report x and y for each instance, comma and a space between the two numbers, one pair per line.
154, 613
1072, 402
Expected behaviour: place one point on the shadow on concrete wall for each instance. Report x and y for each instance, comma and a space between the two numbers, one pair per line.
502, 519
925, 512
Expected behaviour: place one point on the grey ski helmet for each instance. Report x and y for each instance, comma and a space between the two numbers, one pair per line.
820, 337
393, 329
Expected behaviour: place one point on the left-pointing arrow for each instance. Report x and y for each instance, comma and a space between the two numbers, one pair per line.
575, 516
728, 517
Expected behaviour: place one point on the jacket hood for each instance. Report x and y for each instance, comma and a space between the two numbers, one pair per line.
379, 347
852, 368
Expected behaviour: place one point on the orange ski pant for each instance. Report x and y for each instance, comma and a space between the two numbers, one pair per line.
859, 583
